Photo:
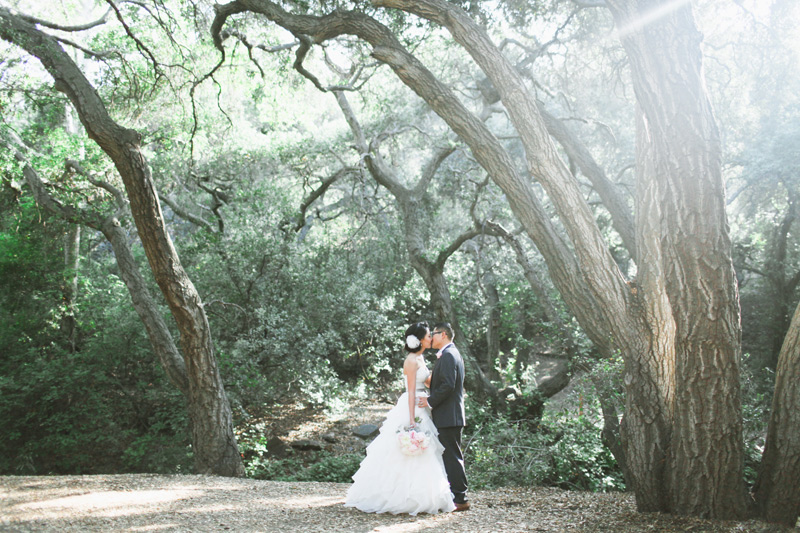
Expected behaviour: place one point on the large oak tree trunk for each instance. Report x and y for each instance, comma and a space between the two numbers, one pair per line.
214, 444
777, 490
678, 163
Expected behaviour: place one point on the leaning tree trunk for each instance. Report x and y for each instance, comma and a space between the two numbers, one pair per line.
72, 245
157, 332
214, 444
160, 337
678, 165
612, 313
777, 490
781, 287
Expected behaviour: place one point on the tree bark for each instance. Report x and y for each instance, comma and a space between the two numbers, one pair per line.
777, 490
214, 444
679, 166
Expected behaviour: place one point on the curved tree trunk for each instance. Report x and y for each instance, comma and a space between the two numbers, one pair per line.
609, 193
215, 450
777, 490
609, 310
781, 286
157, 331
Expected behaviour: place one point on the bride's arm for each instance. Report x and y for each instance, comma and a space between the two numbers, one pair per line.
410, 371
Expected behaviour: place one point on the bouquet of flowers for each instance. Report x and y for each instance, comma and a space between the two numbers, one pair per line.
412, 440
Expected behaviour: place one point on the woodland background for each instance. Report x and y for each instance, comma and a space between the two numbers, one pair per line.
311, 258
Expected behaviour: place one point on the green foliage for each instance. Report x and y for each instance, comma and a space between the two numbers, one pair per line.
579, 460
319, 466
106, 407
757, 389
563, 451
87, 412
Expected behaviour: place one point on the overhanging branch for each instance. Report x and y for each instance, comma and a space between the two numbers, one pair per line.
59, 27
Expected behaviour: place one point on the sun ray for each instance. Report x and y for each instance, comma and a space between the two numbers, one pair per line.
651, 16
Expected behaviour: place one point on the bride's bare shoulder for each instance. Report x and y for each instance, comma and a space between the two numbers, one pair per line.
411, 361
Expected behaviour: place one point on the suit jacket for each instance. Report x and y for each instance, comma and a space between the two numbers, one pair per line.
447, 390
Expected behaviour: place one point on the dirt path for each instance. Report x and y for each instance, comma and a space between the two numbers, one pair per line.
206, 503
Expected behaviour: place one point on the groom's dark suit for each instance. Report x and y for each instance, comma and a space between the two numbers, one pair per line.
447, 410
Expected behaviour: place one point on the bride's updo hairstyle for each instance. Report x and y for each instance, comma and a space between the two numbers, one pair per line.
414, 336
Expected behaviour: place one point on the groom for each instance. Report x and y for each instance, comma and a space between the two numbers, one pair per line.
446, 401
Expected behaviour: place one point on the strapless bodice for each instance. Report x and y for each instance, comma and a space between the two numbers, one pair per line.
422, 375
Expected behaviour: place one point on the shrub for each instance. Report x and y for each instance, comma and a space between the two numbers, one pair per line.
561, 450
318, 467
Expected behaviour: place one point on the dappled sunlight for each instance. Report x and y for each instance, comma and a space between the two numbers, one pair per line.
420, 524
307, 501
198, 503
111, 503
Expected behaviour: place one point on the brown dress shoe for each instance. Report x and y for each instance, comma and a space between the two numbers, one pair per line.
462, 507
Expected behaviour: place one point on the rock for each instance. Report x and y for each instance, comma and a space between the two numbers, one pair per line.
551, 375
306, 444
366, 431
329, 437
277, 448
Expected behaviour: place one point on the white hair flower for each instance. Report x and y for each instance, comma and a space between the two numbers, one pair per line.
412, 342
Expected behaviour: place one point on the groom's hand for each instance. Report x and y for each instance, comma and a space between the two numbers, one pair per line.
422, 401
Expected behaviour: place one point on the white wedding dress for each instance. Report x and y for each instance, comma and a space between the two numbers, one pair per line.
389, 481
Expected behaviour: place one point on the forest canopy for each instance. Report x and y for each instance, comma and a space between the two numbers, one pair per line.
211, 210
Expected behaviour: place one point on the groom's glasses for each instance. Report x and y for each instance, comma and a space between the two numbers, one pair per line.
436, 333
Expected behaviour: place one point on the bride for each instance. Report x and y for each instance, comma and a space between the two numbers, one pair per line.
388, 480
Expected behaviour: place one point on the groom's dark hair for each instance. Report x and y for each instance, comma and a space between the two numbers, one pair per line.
446, 327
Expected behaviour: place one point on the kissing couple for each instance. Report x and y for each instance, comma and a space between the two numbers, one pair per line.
415, 464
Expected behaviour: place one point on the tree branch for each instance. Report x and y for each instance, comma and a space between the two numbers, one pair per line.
59, 27
590, 3
186, 215
445, 254
317, 193
432, 167
139, 44
621, 216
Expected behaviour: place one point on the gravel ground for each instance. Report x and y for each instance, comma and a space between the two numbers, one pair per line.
206, 503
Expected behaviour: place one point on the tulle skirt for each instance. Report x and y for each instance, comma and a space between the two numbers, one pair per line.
388, 481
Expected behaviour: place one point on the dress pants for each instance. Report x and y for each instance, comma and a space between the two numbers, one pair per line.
454, 462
